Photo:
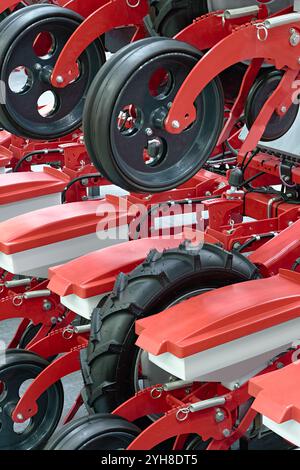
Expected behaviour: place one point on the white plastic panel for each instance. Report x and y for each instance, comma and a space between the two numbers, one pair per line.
232, 360
8, 211
290, 430
37, 261
82, 307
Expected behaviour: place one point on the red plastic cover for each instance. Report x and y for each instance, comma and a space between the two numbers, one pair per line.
221, 316
57, 223
277, 393
103, 267
26, 185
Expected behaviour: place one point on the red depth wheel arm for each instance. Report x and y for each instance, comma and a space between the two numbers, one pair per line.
245, 43
109, 15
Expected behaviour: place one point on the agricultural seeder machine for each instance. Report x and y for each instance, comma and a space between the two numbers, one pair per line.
149, 223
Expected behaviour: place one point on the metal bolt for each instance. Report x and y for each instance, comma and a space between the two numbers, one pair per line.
29, 159
292, 30
283, 109
53, 320
148, 131
59, 79
236, 245
169, 105
236, 386
175, 124
226, 433
279, 365
294, 39
207, 193
37, 66
20, 416
47, 305
219, 416
85, 182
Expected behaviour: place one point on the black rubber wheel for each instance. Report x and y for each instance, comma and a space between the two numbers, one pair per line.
110, 364
28, 335
32, 107
127, 122
195, 443
98, 432
260, 92
168, 17
16, 371
101, 77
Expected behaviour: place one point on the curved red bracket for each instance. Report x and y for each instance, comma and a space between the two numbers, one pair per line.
84, 8
7, 4
243, 44
110, 15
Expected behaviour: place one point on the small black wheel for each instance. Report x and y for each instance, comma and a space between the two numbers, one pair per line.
17, 371
130, 142
28, 335
113, 367
30, 42
93, 90
97, 432
168, 17
259, 94
195, 443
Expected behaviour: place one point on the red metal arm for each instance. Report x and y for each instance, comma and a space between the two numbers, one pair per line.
243, 44
109, 15
64, 365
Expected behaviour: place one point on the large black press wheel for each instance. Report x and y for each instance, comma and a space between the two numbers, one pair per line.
31, 40
18, 369
98, 432
131, 101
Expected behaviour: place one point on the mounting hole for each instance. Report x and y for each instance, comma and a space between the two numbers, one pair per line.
47, 104
20, 80
24, 386
20, 428
44, 45
155, 151
130, 120
161, 83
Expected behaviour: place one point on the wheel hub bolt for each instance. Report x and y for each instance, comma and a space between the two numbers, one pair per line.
45, 73
47, 305
175, 124
20, 416
148, 131
59, 79
226, 433
283, 109
220, 415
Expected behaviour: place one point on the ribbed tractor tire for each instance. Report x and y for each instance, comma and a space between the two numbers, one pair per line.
97, 432
160, 281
